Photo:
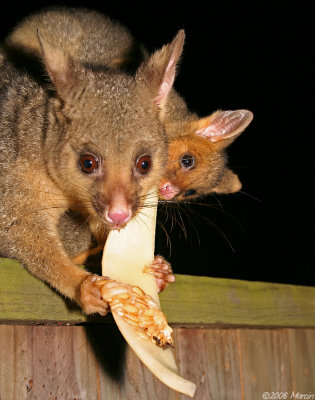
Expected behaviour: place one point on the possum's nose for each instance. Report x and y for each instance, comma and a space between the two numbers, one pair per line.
167, 191
118, 211
118, 217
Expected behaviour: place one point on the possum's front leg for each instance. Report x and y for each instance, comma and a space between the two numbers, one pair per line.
35, 243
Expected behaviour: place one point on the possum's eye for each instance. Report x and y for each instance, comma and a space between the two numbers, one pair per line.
143, 164
187, 161
88, 163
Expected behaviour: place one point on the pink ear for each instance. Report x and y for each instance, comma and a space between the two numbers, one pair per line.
175, 50
224, 124
159, 71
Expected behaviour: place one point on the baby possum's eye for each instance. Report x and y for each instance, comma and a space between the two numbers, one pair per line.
143, 164
190, 192
88, 163
187, 161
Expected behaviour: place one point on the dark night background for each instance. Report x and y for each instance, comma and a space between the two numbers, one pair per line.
242, 54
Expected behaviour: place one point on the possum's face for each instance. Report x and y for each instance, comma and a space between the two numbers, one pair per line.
108, 148
196, 165
113, 152
194, 168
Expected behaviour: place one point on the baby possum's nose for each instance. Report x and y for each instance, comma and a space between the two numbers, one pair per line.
167, 190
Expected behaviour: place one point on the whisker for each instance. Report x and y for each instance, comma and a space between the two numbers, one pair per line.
142, 220
209, 221
217, 199
168, 239
221, 210
192, 224
182, 224
250, 196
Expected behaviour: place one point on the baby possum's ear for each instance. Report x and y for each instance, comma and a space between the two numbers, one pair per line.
222, 127
59, 66
159, 70
229, 183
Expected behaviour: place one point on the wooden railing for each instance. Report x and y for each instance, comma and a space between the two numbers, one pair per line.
234, 339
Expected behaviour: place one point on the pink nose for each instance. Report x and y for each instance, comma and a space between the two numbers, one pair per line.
118, 217
168, 190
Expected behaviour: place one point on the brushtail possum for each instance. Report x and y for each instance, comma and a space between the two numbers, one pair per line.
197, 158
92, 142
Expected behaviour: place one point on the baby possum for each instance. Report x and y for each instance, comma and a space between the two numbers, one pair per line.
93, 142
197, 160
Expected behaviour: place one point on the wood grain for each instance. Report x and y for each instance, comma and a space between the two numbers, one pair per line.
45, 362
302, 351
94, 363
191, 300
209, 357
266, 365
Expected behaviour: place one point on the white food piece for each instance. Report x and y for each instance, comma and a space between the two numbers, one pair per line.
126, 253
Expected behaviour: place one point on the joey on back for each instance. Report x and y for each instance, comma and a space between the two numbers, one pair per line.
197, 159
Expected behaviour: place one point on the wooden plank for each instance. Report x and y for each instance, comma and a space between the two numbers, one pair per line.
199, 301
209, 357
45, 362
265, 362
76, 362
93, 362
302, 349
24, 298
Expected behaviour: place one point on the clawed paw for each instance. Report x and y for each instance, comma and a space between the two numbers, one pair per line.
162, 271
90, 295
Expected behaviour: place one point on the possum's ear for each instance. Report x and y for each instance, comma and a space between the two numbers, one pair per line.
59, 66
229, 183
223, 127
160, 69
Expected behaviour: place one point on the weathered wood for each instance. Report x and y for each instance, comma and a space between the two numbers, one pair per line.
265, 363
199, 301
24, 298
93, 362
46, 363
302, 352
209, 357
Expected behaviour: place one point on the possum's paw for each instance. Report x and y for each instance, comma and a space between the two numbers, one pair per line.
162, 271
90, 295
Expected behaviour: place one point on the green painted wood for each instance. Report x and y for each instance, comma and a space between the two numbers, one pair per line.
24, 298
190, 301
231, 302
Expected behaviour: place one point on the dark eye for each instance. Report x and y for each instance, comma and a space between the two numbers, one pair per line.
88, 163
187, 161
190, 192
143, 164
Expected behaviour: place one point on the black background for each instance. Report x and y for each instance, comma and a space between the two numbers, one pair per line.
242, 54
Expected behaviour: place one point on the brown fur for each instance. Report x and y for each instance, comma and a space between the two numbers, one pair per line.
204, 141
88, 30
99, 42
87, 36
208, 166
44, 132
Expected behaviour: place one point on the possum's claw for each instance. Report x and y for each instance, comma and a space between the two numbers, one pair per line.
162, 271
